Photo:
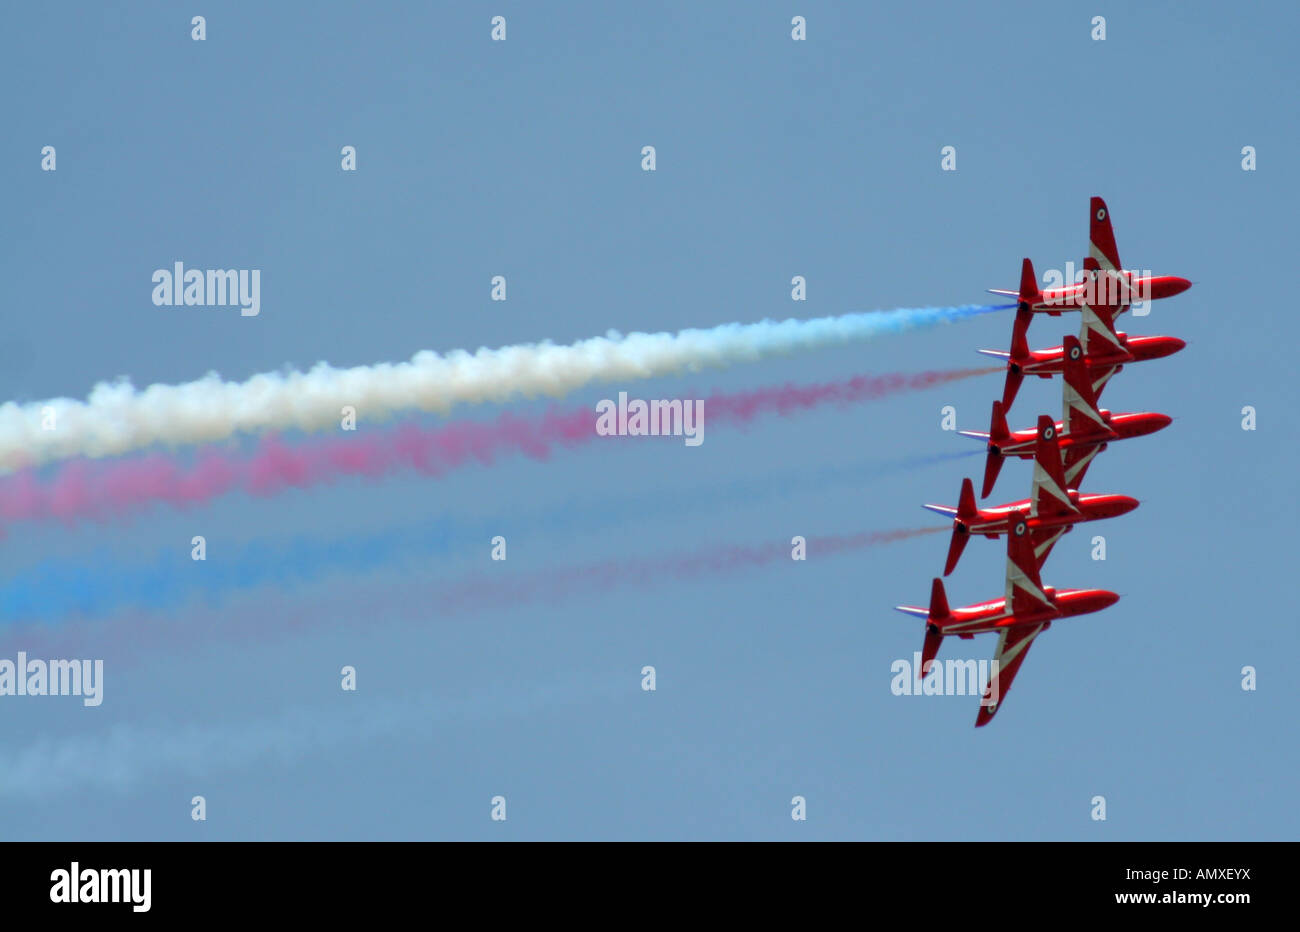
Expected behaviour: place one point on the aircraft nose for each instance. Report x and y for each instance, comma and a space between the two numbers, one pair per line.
1166, 286
1087, 601
1171, 345
1124, 504
1158, 422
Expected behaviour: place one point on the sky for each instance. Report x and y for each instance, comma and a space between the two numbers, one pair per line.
775, 158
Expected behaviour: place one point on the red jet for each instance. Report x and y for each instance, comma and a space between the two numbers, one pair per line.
1051, 510
1104, 357
1027, 610
1106, 283
1083, 433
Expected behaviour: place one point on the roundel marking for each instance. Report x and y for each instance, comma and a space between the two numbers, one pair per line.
1020, 528
1074, 352
1101, 213
1049, 433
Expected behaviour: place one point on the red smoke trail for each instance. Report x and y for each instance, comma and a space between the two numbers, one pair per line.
87, 489
498, 589
274, 612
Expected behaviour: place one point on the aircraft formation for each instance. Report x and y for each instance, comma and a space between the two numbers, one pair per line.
1062, 452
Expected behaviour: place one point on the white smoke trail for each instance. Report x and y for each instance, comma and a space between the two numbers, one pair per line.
117, 418
126, 754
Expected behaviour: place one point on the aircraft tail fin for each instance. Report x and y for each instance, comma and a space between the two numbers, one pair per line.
1024, 586
966, 509
1101, 238
1049, 497
938, 601
998, 430
1029, 294
1097, 334
1080, 413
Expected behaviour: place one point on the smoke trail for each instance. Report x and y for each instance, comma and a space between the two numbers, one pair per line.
276, 612
491, 589
127, 754
57, 590
583, 514
84, 489
116, 418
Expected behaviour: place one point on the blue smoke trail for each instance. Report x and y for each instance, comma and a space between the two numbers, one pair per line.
55, 590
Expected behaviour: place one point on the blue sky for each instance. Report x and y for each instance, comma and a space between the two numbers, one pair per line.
775, 158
